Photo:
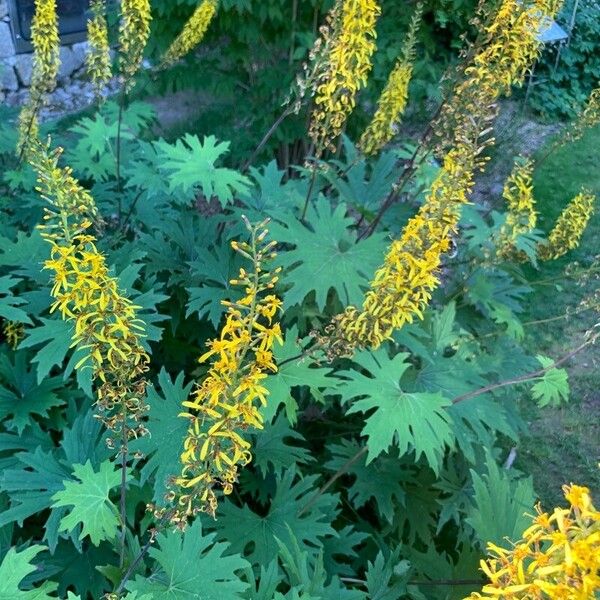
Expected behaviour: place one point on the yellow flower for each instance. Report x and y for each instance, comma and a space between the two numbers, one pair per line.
346, 68
558, 556
106, 325
569, 227
46, 62
228, 400
98, 55
133, 36
192, 33
589, 117
521, 216
13, 332
392, 101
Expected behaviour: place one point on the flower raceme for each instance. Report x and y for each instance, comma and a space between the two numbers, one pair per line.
589, 117
402, 288
106, 327
393, 99
558, 556
46, 62
134, 32
98, 55
345, 70
228, 401
13, 333
570, 225
521, 216
192, 33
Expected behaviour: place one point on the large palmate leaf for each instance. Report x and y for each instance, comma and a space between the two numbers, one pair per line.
415, 421
190, 164
21, 396
165, 444
289, 513
500, 503
14, 568
9, 303
381, 479
192, 566
294, 371
553, 387
326, 256
89, 501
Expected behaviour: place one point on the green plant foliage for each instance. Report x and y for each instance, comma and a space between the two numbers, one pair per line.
14, 568
191, 564
553, 387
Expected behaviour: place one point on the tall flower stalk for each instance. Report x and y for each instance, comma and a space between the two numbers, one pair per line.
134, 32
192, 33
106, 326
46, 63
98, 55
345, 71
393, 99
229, 400
402, 287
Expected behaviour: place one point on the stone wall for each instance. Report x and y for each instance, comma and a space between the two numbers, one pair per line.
73, 91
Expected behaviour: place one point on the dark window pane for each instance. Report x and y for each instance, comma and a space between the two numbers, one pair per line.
71, 16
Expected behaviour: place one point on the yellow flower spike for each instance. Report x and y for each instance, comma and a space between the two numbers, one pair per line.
106, 326
98, 55
224, 405
13, 333
570, 225
393, 99
569, 568
344, 71
134, 32
192, 33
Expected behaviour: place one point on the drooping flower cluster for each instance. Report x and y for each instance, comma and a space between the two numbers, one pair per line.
402, 288
106, 327
98, 54
46, 62
345, 71
394, 97
521, 216
134, 32
13, 333
557, 558
570, 225
229, 399
192, 33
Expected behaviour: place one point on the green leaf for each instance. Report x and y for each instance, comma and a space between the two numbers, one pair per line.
192, 566
291, 375
553, 387
271, 450
190, 164
416, 421
499, 505
327, 256
387, 578
168, 431
381, 480
56, 336
9, 304
92, 507
14, 568
20, 393
258, 533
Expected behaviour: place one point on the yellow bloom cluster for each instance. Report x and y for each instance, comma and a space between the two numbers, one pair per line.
228, 401
558, 557
402, 288
133, 36
521, 216
13, 333
46, 62
393, 99
105, 321
345, 71
569, 227
587, 118
98, 55
192, 32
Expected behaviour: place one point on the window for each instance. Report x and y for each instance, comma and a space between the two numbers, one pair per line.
72, 19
